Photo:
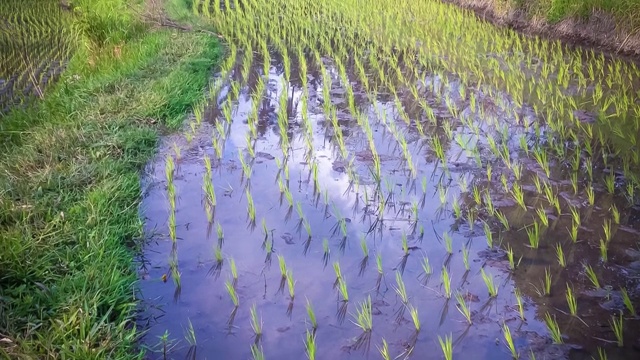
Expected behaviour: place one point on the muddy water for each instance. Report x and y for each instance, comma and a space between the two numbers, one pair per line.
419, 206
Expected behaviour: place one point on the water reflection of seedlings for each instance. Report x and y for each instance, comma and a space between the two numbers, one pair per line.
269, 250
326, 252
508, 339
217, 263
380, 271
405, 249
488, 281
520, 303
344, 301
365, 253
554, 329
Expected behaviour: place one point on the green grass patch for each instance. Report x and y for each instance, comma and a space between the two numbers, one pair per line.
69, 174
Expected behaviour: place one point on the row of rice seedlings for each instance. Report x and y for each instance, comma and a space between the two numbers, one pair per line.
515, 166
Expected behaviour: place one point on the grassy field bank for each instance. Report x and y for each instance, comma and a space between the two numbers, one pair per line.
611, 25
69, 182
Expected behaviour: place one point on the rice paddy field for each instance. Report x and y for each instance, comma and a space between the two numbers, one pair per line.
36, 40
395, 179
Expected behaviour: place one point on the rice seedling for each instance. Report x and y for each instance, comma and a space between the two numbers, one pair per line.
234, 271
591, 275
627, 302
542, 215
617, 325
554, 329
446, 345
312, 315
533, 234
488, 281
591, 196
603, 250
232, 293
503, 220
518, 296
602, 354
291, 284
256, 323
518, 195
509, 341
510, 256
401, 290
488, 234
463, 307
384, 350
560, 256
446, 282
607, 228
465, 258
545, 284
572, 301
363, 317
310, 345
615, 214
344, 291
448, 243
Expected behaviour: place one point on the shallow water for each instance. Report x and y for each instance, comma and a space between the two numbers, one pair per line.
412, 208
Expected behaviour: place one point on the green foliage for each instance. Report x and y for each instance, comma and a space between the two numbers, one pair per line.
68, 221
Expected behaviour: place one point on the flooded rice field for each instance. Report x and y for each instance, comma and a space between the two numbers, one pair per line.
36, 41
362, 182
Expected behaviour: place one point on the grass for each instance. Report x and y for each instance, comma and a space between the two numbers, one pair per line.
69, 221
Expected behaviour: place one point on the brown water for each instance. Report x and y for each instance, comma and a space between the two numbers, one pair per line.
344, 188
